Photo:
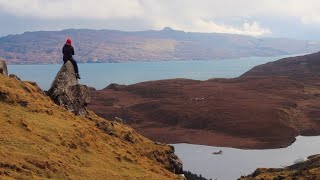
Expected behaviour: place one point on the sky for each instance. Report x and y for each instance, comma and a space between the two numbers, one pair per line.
299, 19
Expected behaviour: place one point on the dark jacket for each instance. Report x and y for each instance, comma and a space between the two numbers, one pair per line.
67, 52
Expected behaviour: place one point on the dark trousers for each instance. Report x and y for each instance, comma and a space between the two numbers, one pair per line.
75, 65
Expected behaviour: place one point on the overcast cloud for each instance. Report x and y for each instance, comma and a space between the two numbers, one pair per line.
285, 18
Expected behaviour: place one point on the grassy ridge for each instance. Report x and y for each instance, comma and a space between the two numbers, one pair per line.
300, 170
42, 140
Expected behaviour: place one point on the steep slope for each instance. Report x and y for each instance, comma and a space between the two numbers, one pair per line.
167, 44
42, 140
302, 170
266, 111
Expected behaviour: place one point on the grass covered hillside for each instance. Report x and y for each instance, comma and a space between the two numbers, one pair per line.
42, 140
301, 170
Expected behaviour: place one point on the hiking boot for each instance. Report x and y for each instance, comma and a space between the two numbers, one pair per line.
78, 76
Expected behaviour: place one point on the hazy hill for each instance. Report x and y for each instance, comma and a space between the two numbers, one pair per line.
40, 140
302, 68
167, 44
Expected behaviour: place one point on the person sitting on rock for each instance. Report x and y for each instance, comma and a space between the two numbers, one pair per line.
67, 52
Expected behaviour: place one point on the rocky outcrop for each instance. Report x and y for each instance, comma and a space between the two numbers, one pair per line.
3, 67
15, 77
67, 92
175, 161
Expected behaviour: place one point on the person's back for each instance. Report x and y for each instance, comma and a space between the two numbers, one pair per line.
68, 52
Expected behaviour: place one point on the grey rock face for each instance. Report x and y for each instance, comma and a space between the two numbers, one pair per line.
3, 67
65, 77
176, 164
175, 161
67, 92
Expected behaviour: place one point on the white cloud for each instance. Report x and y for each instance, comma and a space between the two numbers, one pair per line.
200, 25
199, 16
188, 15
315, 19
96, 9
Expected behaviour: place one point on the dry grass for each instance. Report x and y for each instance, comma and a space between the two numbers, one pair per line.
41, 140
301, 170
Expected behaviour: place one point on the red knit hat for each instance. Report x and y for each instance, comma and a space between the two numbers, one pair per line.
68, 41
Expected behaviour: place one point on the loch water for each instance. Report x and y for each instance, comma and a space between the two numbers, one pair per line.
100, 75
233, 163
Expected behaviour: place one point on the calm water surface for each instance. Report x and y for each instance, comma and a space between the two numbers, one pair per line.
236, 162
101, 75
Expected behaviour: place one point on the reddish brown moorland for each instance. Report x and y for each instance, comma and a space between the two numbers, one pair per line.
257, 110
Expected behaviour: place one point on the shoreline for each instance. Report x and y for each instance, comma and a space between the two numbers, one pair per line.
163, 61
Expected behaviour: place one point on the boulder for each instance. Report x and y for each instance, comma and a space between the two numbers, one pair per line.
3, 67
15, 77
67, 92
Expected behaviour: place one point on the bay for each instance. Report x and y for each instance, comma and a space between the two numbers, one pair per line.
100, 75
233, 163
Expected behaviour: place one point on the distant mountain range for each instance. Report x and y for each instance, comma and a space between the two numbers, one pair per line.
43, 47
